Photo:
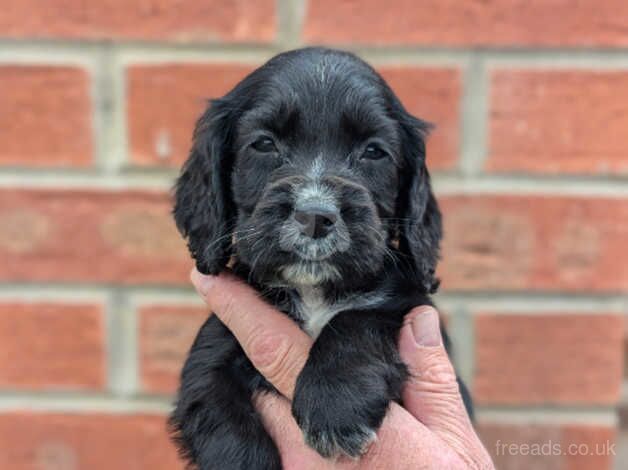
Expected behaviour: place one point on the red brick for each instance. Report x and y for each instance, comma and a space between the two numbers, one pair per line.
542, 243
123, 237
31, 441
164, 103
468, 23
166, 334
530, 358
433, 95
51, 346
548, 446
558, 121
180, 21
45, 116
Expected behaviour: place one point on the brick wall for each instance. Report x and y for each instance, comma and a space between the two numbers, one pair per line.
530, 157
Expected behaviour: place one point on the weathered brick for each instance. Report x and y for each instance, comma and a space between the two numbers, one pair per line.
468, 23
45, 116
531, 359
124, 237
164, 103
85, 441
434, 95
542, 243
52, 346
166, 335
161, 20
548, 446
563, 121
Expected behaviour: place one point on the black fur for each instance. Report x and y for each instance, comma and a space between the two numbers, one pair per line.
312, 126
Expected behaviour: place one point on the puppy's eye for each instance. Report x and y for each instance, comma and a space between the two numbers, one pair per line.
264, 145
373, 152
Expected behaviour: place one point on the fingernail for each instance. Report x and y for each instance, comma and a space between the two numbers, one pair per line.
202, 282
425, 328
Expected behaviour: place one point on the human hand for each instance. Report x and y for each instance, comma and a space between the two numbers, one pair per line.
433, 431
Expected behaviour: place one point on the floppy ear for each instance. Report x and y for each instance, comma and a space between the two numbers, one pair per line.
203, 209
420, 228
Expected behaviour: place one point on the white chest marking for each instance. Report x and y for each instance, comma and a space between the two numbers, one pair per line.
316, 312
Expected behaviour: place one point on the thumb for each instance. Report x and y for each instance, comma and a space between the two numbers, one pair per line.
431, 394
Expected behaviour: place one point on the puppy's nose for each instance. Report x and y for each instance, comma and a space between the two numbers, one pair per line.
315, 222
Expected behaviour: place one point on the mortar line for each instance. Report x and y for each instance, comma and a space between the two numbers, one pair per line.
528, 184
113, 132
122, 349
49, 50
290, 15
101, 105
86, 180
487, 301
41, 54
51, 293
444, 184
523, 303
585, 415
82, 403
165, 298
120, 132
95, 402
108, 288
474, 118
462, 333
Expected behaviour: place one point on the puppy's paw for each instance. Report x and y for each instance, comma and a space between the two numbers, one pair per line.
351, 440
336, 423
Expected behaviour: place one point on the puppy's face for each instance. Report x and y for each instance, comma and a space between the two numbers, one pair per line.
316, 174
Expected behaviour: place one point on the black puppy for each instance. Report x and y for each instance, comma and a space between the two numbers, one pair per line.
311, 175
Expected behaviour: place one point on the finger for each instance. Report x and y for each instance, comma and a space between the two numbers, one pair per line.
432, 394
276, 346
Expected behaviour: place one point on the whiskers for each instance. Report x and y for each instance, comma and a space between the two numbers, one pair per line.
382, 246
232, 236
256, 247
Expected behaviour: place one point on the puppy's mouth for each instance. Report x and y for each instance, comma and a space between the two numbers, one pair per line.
308, 272
314, 251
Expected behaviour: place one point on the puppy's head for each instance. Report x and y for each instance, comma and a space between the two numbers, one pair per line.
310, 171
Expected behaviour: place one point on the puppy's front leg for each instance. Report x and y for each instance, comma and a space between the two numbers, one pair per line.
214, 422
351, 376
